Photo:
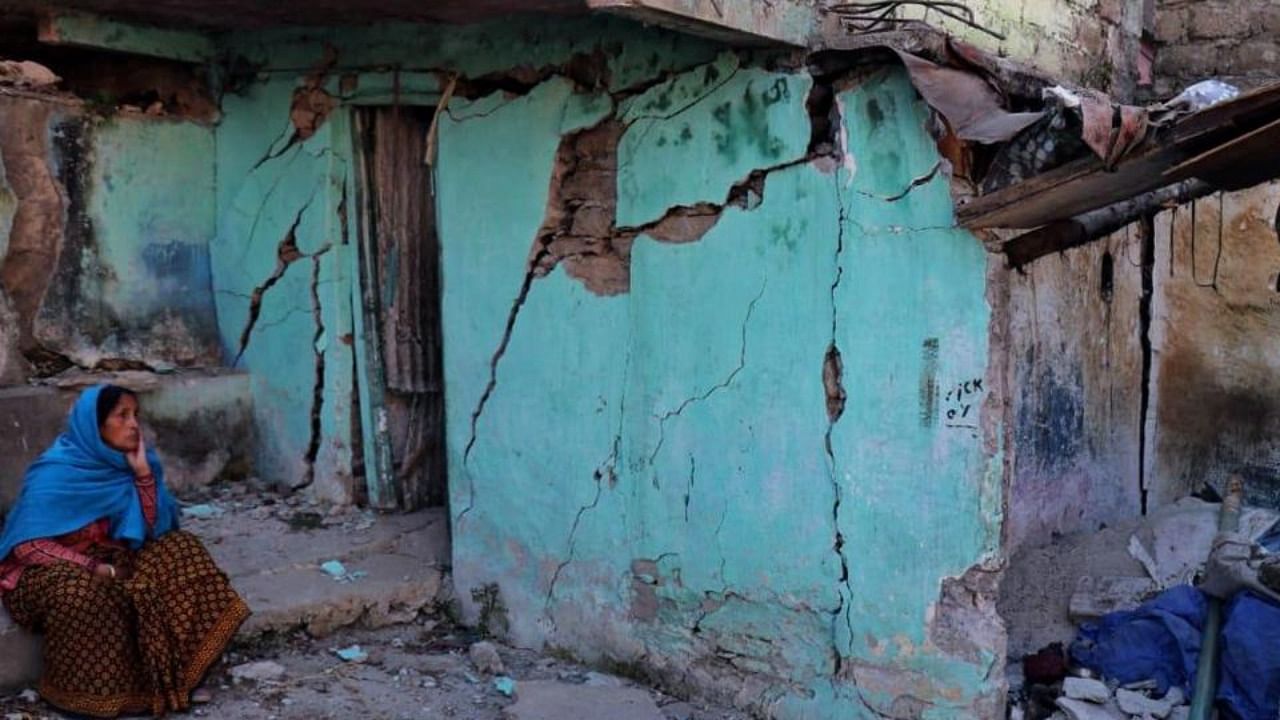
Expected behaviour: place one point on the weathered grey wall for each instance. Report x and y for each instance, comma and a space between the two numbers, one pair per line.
1215, 334
104, 231
1235, 40
199, 423
1075, 367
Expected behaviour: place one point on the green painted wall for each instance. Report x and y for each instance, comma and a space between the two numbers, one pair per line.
282, 238
653, 480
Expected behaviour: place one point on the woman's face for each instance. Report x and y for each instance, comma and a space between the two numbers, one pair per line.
121, 430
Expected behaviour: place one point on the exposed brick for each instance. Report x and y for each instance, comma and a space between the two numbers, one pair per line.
1269, 17
1255, 57
593, 220
1111, 10
589, 185
1171, 24
1190, 60
1093, 40
1211, 20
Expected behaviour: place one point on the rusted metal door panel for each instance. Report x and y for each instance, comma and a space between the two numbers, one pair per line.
400, 262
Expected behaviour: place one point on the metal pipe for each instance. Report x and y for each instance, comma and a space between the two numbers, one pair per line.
1206, 686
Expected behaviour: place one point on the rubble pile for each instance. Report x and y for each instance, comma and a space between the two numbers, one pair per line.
1208, 584
1077, 694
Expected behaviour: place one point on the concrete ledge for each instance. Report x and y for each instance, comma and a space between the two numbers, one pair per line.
201, 424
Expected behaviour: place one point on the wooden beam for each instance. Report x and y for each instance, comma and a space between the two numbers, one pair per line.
737, 22
1070, 190
1085, 184
1251, 159
1065, 234
74, 29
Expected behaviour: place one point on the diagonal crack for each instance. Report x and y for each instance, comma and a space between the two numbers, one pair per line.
573, 535
286, 254
708, 92
742, 363
916, 182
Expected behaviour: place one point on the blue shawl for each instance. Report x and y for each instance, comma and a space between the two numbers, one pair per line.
80, 480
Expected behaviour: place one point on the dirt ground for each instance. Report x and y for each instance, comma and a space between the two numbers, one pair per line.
413, 671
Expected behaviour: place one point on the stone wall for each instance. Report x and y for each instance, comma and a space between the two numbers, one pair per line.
1234, 40
1093, 43
1216, 375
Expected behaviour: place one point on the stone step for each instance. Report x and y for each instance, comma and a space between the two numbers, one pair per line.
397, 566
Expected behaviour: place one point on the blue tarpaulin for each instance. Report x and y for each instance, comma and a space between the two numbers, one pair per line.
1161, 641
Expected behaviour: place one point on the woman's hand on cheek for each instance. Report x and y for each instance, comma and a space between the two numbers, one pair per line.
138, 458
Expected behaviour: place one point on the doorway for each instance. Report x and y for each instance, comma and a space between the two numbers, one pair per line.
399, 310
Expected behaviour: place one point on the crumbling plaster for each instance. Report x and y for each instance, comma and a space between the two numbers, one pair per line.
1075, 355
629, 509
104, 231
1215, 317
790, 350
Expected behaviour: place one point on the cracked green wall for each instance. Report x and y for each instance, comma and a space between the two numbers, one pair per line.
649, 481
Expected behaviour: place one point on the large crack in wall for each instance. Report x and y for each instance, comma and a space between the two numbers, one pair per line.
580, 229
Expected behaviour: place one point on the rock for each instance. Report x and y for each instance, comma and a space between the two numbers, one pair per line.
29, 696
484, 655
552, 700
1136, 703
1182, 712
264, 670
678, 711
1094, 691
595, 679
26, 74
1081, 710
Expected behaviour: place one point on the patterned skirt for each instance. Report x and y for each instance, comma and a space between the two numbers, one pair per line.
141, 645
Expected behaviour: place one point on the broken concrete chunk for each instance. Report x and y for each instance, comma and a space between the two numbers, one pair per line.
26, 74
1182, 712
1082, 710
484, 655
1136, 703
596, 679
1094, 691
263, 671
1095, 597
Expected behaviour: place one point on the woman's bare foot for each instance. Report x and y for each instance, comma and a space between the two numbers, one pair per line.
201, 696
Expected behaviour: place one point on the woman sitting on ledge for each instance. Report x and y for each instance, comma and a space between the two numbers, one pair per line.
133, 610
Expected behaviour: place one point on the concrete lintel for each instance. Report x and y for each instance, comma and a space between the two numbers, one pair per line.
739, 22
93, 31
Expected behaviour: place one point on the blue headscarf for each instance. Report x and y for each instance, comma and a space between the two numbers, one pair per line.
80, 480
